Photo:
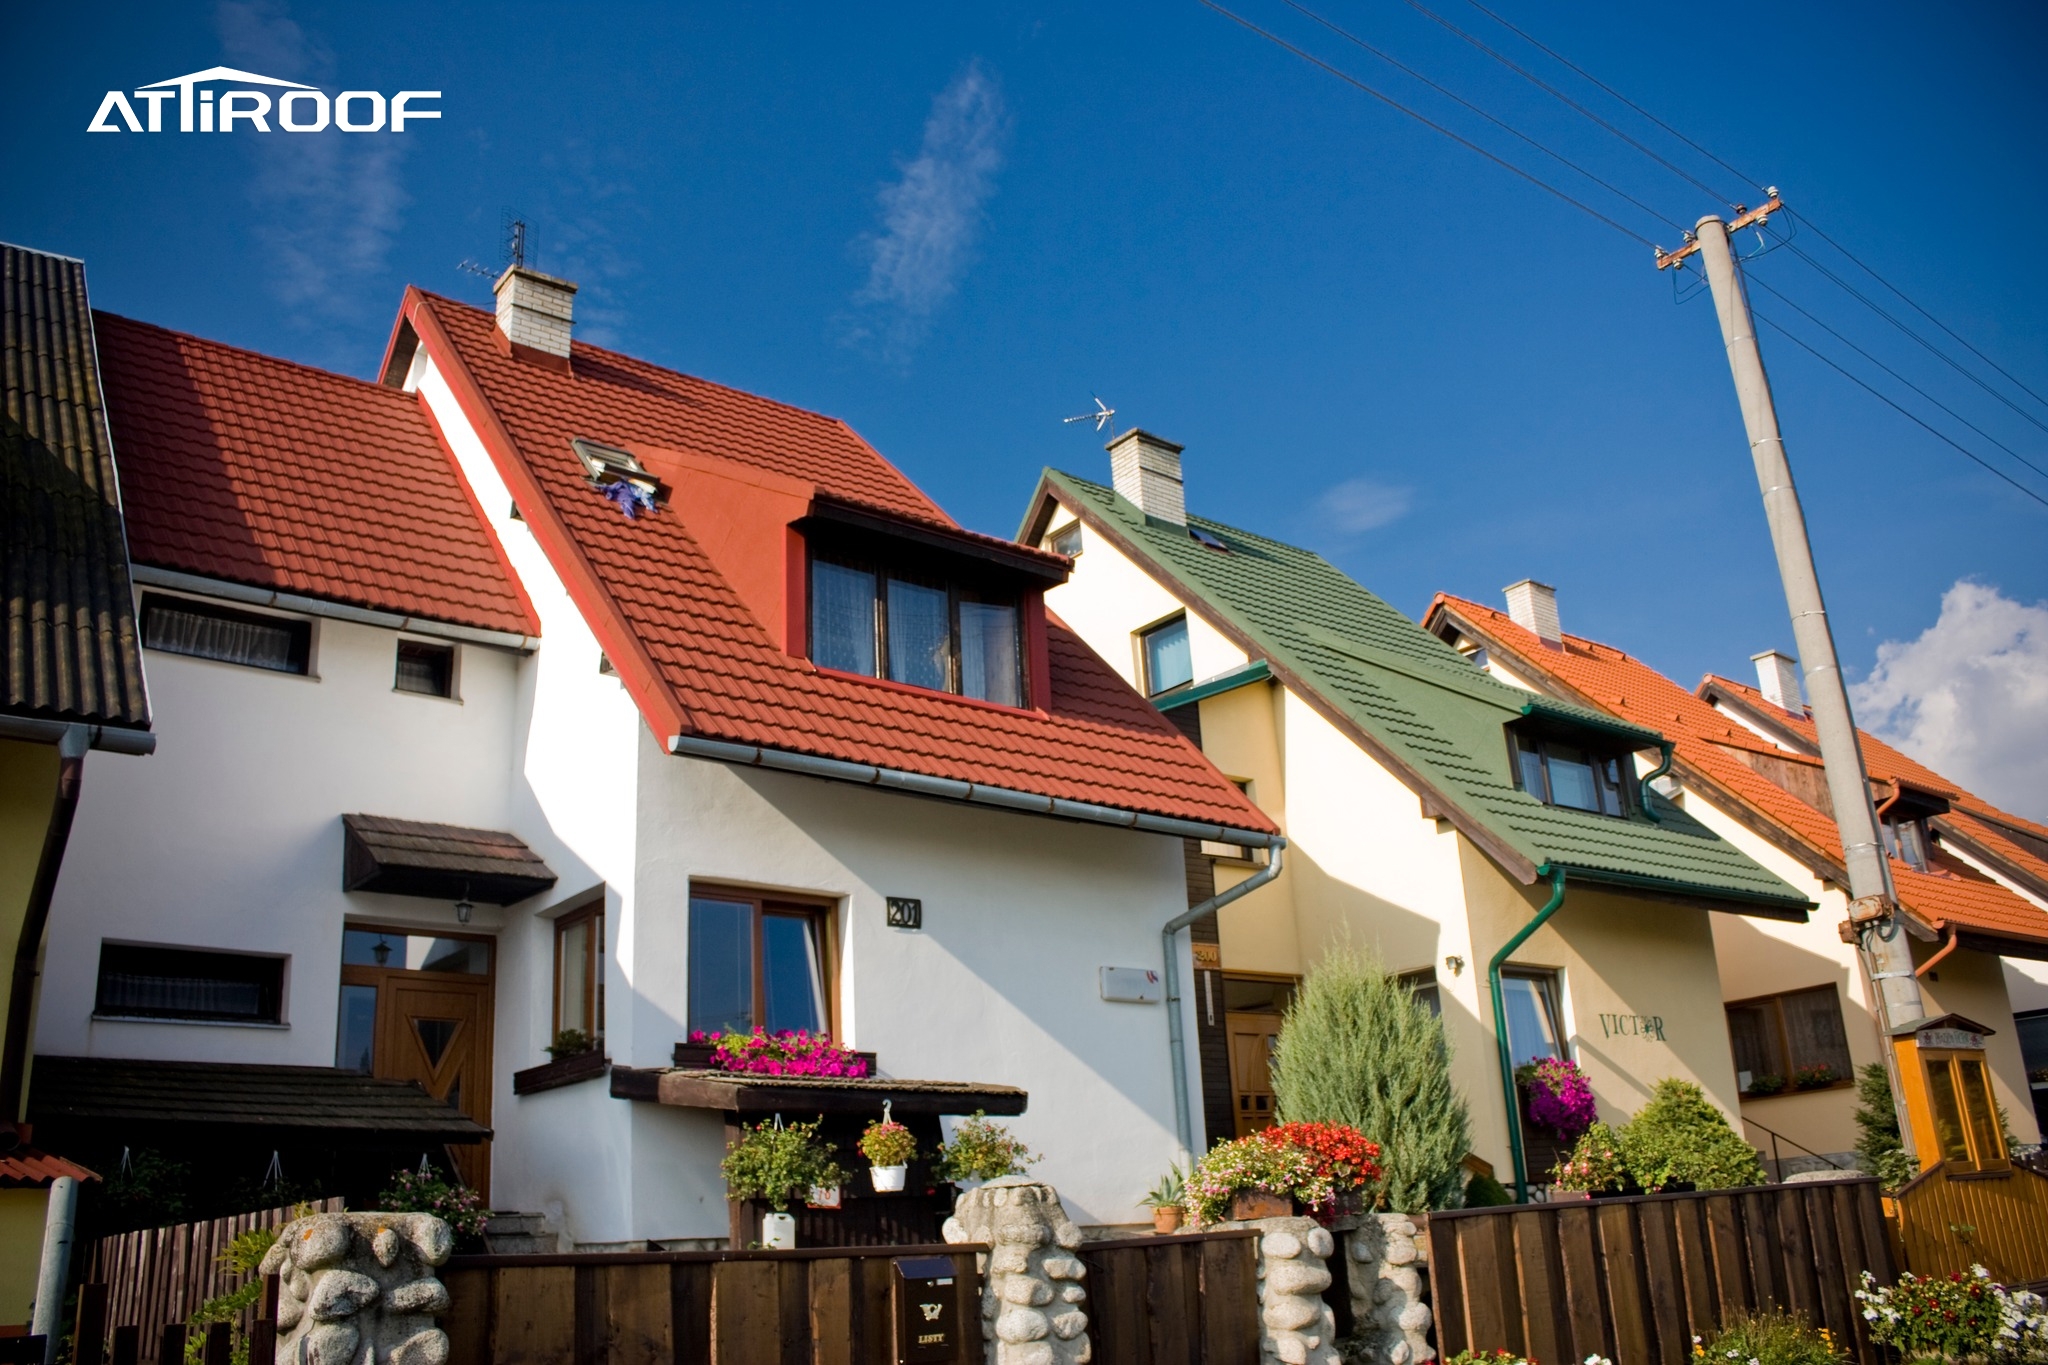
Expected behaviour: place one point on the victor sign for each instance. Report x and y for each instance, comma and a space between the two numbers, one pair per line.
297, 108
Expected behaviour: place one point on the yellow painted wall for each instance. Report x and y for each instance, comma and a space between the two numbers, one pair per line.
28, 789
1973, 985
21, 1251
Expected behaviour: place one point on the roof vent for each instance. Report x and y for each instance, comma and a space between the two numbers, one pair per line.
1146, 471
1533, 607
1777, 677
536, 311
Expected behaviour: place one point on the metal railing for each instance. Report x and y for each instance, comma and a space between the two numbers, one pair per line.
1778, 1162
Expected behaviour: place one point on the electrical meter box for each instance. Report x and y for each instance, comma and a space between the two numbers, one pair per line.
927, 1310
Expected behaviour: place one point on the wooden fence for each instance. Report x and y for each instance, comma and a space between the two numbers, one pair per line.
1188, 1300
812, 1306
156, 1277
1996, 1219
1633, 1279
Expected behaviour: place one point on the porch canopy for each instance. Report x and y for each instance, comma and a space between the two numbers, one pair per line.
303, 1103
439, 862
734, 1092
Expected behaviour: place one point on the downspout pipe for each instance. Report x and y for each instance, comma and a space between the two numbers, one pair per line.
1663, 767
1176, 1035
28, 948
1935, 961
1500, 1027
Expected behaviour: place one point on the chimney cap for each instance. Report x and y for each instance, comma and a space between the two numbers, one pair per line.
1140, 434
529, 273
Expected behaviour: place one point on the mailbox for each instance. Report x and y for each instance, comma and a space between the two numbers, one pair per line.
927, 1310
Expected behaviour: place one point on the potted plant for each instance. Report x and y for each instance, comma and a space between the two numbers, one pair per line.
1596, 1164
982, 1150
1770, 1083
570, 1042
1813, 1077
776, 1162
1165, 1199
1252, 1178
1557, 1097
888, 1146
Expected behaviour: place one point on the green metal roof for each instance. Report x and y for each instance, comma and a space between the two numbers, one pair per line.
1424, 705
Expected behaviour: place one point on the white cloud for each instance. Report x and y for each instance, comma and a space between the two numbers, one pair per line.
1969, 698
1356, 506
329, 205
931, 216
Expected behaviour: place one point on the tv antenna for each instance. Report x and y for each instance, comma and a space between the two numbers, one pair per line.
516, 249
1103, 412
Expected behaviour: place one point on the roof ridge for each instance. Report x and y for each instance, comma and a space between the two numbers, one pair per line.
249, 351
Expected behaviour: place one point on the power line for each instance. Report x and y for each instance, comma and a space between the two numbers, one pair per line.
1896, 375
1566, 100
1581, 71
1909, 416
1403, 67
1921, 311
1426, 122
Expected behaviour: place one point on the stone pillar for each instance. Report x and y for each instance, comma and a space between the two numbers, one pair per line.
1389, 1300
1032, 1303
1295, 1326
360, 1287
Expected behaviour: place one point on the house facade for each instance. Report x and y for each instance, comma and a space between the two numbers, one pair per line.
1970, 878
1463, 829
538, 708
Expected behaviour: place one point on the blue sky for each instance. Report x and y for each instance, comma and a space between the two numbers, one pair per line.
950, 224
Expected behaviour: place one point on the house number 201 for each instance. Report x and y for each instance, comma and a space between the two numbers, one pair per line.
905, 913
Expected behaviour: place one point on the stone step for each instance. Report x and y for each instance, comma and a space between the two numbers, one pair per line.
520, 1234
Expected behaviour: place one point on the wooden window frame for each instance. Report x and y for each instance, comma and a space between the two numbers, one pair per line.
1624, 762
1071, 529
1146, 632
1998, 1161
822, 910
445, 651
1774, 1008
883, 569
1551, 979
593, 969
369, 974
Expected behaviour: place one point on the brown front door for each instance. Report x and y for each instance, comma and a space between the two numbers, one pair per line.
1252, 1037
429, 1023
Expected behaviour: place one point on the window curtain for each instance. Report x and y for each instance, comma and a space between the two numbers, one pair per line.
843, 618
1813, 1031
920, 635
231, 641
988, 653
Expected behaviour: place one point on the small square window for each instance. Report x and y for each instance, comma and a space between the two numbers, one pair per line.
426, 669
1066, 541
1169, 663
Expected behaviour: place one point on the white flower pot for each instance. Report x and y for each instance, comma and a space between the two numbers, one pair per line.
889, 1178
778, 1231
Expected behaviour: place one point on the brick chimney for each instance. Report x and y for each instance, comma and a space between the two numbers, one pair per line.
1533, 606
1146, 470
535, 312
1777, 677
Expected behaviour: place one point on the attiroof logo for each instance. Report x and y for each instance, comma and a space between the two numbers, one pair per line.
299, 109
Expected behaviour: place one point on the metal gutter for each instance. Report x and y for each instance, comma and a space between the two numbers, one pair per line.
1500, 1027
1643, 782
1608, 724
28, 948
114, 739
338, 611
1176, 1035
973, 793
1244, 675
1690, 890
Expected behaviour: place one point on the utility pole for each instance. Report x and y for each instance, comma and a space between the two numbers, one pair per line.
1873, 905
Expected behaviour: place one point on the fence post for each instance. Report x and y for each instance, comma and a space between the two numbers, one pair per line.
89, 1338
1033, 1291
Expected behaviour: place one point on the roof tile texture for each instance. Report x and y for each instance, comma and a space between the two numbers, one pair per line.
243, 467
1094, 741
1709, 740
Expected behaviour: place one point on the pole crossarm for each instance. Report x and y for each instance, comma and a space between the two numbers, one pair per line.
1755, 217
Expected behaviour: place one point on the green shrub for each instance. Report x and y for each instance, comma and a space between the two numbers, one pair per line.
1877, 1121
983, 1150
1596, 1164
1483, 1192
1678, 1138
1357, 1048
777, 1162
1768, 1339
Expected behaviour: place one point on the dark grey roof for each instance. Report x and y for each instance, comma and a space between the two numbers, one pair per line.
754, 1093
116, 1089
72, 651
442, 862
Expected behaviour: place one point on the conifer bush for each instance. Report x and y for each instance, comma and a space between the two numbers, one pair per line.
1357, 1048
1878, 1148
1680, 1138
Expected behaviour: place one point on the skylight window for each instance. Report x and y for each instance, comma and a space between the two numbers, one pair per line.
605, 463
1206, 540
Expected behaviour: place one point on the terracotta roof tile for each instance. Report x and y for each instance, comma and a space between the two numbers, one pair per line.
713, 670
27, 1168
1708, 740
247, 468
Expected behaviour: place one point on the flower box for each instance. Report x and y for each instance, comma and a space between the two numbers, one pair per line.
697, 1057
1249, 1204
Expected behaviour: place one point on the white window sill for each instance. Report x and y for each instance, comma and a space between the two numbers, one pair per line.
183, 1023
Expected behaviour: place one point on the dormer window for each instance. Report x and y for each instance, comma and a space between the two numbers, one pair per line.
921, 630
1572, 774
1906, 840
1903, 820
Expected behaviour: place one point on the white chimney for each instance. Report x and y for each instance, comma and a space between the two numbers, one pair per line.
535, 310
1146, 470
1777, 677
1533, 606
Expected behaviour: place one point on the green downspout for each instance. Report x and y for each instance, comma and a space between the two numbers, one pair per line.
1500, 1026
1651, 776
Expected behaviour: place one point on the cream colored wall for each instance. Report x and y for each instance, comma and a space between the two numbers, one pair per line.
21, 1251
2026, 984
1108, 598
28, 789
1242, 733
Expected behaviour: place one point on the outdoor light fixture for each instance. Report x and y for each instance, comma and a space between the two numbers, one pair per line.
382, 952
463, 908
1455, 963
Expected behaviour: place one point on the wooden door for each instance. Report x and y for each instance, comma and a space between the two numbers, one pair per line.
438, 1032
1252, 1038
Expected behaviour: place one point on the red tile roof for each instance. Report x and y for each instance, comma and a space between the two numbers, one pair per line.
1709, 741
255, 470
699, 662
25, 1168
